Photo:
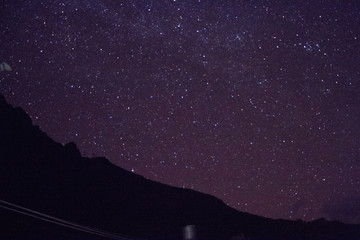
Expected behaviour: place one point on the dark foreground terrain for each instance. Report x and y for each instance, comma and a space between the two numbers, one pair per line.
43, 175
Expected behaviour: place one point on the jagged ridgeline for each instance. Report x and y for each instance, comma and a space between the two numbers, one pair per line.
49, 191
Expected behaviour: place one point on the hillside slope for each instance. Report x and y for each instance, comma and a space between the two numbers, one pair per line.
41, 174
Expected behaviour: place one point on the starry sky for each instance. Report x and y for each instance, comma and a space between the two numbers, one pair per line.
254, 102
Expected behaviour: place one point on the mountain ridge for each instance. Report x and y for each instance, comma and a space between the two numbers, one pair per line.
39, 173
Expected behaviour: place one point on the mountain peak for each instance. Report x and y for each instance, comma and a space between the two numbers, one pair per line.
72, 149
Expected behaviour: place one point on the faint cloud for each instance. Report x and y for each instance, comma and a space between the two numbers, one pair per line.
345, 209
5, 67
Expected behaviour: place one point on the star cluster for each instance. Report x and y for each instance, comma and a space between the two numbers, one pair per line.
255, 102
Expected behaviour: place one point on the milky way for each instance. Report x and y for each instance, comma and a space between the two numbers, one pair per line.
254, 102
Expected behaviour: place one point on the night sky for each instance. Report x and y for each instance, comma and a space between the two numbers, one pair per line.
254, 102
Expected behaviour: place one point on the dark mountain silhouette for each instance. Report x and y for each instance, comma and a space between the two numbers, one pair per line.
41, 174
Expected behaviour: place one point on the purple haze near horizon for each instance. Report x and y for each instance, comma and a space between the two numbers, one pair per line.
254, 102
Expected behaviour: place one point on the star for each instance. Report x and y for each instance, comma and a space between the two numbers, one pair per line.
255, 103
